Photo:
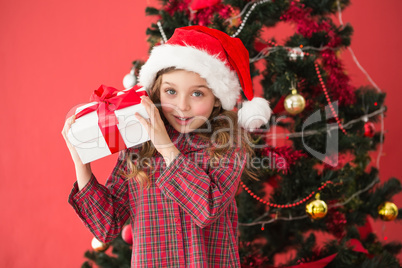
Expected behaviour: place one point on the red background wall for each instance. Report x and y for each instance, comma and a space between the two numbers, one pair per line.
54, 53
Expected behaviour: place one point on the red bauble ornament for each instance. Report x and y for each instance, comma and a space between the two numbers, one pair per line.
369, 129
127, 234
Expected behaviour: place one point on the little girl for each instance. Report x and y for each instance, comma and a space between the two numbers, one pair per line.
178, 189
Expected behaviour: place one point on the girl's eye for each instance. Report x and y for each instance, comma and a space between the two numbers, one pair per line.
170, 91
197, 94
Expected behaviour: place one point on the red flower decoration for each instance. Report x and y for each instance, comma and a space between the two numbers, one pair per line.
281, 158
204, 16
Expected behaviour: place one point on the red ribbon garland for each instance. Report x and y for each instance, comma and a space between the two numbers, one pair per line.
107, 102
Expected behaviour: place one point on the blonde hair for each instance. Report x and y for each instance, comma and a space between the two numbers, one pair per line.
139, 164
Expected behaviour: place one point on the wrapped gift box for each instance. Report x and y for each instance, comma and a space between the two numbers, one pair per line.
108, 125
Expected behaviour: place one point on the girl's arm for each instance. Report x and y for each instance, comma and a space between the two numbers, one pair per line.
103, 209
83, 171
204, 196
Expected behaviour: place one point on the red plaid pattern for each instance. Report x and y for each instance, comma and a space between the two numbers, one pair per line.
188, 216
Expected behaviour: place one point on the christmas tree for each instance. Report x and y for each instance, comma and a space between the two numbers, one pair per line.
320, 180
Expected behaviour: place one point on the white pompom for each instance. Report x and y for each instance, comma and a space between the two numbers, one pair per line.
129, 80
254, 114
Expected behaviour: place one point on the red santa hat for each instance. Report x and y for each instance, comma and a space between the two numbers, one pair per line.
221, 60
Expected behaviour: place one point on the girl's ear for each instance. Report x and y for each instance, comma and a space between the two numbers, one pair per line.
217, 102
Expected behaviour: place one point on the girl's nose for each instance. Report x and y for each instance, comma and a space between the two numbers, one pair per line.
183, 104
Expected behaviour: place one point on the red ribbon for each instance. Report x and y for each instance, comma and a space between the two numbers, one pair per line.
315, 264
107, 102
354, 243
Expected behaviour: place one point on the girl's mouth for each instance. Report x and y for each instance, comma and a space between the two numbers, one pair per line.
182, 120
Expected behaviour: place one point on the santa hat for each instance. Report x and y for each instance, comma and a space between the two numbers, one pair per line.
221, 60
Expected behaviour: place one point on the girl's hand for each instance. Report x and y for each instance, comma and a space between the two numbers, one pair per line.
157, 131
73, 151
82, 171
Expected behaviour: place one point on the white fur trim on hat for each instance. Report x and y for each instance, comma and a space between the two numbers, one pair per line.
220, 78
254, 114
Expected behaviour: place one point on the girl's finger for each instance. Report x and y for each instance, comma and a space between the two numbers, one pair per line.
67, 125
151, 109
72, 119
143, 121
147, 105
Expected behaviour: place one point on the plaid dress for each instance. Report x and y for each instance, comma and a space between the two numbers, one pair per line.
188, 216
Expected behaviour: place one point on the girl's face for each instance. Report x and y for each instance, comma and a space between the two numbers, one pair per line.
186, 100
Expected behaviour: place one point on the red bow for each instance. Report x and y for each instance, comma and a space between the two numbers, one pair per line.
107, 102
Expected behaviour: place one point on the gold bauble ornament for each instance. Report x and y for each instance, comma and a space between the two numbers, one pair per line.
388, 211
317, 209
294, 103
98, 245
